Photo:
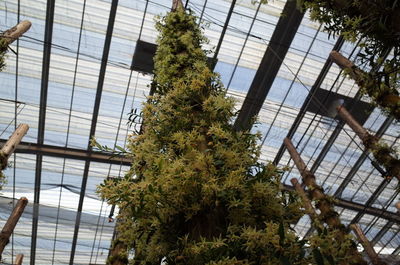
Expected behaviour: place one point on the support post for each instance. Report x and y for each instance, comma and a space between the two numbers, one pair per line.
371, 143
18, 259
353, 124
15, 32
9, 147
328, 214
306, 201
367, 245
11, 223
388, 99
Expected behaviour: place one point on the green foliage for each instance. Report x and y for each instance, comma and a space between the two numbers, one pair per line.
117, 150
195, 193
377, 24
3, 164
384, 155
3, 51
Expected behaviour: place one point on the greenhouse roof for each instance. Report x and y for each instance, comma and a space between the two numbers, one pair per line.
70, 78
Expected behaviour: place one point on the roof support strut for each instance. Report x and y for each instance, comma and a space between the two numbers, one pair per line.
48, 34
317, 84
271, 62
106, 50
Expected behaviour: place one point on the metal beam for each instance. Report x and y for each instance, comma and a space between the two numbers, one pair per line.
70, 153
390, 216
48, 34
381, 232
221, 38
371, 200
100, 83
271, 62
317, 84
340, 125
396, 251
333, 136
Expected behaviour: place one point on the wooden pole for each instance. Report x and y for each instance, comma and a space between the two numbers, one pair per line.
18, 259
388, 99
367, 245
11, 223
371, 143
353, 124
12, 143
328, 214
306, 202
15, 32
316, 192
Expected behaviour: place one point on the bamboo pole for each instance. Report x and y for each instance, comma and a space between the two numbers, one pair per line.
12, 143
15, 32
18, 259
328, 214
371, 143
367, 245
11, 223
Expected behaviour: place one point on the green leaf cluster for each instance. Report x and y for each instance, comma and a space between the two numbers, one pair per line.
3, 51
196, 193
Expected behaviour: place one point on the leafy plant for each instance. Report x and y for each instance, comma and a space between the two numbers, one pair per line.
196, 193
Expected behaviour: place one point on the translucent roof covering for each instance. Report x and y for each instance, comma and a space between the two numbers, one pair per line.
70, 79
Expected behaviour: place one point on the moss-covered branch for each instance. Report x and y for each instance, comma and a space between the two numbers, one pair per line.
337, 234
383, 154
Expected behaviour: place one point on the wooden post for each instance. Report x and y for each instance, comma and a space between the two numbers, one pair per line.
367, 245
12, 143
11, 223
371, 143
306, 202
353, 124
18, 259
328, 214
316, 192
15, 32
398, 206
388, 99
